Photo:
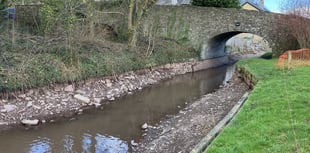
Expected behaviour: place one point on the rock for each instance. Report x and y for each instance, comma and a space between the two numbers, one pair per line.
82, 98
69, 88
97, 100
29, 104
36, 107
22, 96
28, 98
108, 83
4, 123
30, 122
133, 143
9, 108
96, 104
144, 126
80, 92
30, 92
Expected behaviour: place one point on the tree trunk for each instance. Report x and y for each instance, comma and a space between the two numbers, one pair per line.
130, 22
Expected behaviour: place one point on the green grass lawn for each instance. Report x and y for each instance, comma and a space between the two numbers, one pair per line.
276, 116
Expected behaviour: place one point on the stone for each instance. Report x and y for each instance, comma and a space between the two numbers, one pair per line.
36, 107
82, 98
22, 96
30, 92
30, 122
80, 92
4, 123
133, 143
144, 126
97, 100
28, 98
69, 88
108, 83
9, 108
29, 104
97, 104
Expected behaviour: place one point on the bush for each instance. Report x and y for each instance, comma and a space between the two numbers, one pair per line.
267, 55
217, 3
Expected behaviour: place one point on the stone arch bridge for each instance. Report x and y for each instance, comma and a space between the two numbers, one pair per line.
207, 29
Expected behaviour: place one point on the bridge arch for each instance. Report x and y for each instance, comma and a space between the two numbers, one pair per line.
207, 29
216, 45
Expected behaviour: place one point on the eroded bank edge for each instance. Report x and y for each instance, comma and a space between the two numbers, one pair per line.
251, 81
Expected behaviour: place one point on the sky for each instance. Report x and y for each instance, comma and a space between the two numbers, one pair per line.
280, 5
274, 5
271, 5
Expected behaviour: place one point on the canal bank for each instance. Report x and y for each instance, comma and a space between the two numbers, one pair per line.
49, 104
181, 132
275, 117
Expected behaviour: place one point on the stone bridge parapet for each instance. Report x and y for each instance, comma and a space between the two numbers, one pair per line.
207, 29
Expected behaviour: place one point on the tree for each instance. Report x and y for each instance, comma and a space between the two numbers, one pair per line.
3, 4
137, 9
217, 3
298, 20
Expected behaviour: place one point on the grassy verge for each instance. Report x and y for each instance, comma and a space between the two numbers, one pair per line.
23, 68
275, 118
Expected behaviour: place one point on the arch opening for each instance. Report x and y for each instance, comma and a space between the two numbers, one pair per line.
236, 44
247, 45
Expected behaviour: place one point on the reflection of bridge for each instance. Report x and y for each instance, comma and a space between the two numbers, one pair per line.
208, 29
89, 144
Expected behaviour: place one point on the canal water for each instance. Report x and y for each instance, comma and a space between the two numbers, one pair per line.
112, 128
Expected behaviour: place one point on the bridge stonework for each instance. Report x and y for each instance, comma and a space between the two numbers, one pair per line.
207, 29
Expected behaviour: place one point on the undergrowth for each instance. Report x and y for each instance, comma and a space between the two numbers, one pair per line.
28, 67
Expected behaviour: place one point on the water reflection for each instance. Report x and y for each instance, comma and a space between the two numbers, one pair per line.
68, 144
229, 73
109, 144
102, 144
86, 143
40, 146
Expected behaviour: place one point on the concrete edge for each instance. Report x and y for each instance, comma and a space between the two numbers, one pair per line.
206, 141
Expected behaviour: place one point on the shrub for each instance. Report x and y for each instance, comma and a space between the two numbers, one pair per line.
217, 3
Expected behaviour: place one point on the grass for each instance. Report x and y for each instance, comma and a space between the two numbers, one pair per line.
22, 68
275, 118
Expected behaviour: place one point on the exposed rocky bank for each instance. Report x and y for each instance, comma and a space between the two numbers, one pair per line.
180, 133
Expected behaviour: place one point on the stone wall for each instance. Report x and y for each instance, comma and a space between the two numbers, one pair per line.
207, 29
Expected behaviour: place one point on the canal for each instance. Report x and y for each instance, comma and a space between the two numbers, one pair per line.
113, 127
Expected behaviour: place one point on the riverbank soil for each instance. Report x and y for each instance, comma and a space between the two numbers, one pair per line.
275, 117
181, 132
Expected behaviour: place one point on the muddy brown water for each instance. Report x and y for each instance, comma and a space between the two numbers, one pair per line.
111, 128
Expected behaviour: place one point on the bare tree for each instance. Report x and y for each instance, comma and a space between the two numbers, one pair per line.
298, 20
137, 9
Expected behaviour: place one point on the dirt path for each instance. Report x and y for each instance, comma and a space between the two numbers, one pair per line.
180, 133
